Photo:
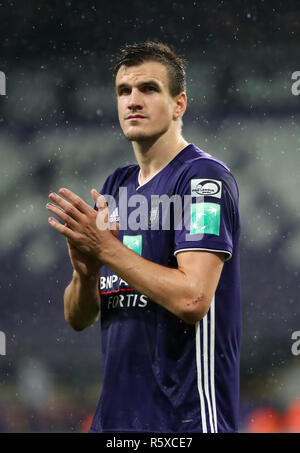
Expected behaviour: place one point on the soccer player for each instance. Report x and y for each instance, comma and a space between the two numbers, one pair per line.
166, 287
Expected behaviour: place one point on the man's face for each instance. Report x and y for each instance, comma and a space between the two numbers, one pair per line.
145, 105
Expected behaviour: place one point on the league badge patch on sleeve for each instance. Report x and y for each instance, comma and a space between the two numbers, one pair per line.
206, 187
205, 218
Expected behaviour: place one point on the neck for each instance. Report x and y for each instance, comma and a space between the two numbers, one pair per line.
153, 155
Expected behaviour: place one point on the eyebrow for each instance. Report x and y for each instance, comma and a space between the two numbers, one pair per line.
145, 82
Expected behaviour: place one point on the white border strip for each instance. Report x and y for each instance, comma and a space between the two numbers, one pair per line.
206, 363
212, 362
199, 377
206, 381
208, 250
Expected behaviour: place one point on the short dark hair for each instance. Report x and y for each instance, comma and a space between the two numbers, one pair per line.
138, 53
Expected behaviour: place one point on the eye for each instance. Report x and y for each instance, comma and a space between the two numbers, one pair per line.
124, 91
149, 88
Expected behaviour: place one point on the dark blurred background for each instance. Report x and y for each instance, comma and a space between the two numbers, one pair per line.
58, 127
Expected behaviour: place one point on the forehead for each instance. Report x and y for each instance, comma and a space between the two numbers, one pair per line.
150, 70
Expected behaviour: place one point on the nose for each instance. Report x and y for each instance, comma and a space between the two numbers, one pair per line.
135, 100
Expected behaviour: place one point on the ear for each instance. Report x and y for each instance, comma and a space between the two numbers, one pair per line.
180, 105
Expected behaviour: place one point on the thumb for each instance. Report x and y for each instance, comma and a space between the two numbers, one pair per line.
94, 194
98, 199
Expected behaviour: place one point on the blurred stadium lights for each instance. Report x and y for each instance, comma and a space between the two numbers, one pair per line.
241, 81
81, 157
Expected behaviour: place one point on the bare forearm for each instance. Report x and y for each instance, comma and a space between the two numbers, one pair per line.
169, 287
186, 291
82, 301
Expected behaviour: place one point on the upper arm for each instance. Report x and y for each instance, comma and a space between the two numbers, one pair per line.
202, 270
207, 236
210, 220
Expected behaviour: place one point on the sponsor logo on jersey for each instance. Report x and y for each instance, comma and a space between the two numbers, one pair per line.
114, 216
118, 293
205, 218
206, 187
126, 300
153, 215
133, 242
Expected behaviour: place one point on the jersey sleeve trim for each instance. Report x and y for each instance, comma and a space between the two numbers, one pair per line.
228, 254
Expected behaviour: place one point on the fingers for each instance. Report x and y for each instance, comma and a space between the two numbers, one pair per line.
74, 208
67, 232
98, 199
63, 209
102, 220
61, 214
75, 200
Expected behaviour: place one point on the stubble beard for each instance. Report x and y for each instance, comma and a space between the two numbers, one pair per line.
138, 137
142, 136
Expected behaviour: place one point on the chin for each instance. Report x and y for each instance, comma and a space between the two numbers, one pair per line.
135, 136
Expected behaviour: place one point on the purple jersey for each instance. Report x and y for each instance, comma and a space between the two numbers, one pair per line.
161, 374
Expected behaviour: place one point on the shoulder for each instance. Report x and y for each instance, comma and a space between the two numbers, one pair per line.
119, 176
203, 172
197, 161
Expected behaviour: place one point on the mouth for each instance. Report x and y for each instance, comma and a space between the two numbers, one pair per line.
136, 117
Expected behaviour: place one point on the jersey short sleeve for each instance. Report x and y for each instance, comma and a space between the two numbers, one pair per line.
210, 209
